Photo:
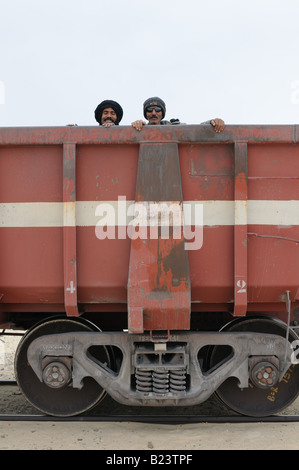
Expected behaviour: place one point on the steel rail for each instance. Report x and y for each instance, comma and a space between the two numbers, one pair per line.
154, 419
175, 419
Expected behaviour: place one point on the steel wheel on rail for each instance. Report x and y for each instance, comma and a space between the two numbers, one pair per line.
65, 401
254, 400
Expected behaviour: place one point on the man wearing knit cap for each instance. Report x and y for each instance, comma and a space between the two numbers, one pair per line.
154, 110
108, 113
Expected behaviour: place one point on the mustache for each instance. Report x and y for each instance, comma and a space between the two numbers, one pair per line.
108, 119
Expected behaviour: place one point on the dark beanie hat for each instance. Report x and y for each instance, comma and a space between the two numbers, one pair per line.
154, 101
108, 104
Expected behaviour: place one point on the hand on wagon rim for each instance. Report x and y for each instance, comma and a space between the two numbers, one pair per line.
218, 124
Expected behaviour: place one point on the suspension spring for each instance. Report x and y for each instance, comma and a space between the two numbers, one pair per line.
160, 381
177, 380
143, 380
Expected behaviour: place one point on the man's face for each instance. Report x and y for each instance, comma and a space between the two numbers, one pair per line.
108, 115
154, 115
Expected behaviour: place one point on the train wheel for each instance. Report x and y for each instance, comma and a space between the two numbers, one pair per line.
256, 401
65, 401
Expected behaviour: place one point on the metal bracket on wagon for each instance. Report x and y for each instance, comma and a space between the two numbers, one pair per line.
159, 374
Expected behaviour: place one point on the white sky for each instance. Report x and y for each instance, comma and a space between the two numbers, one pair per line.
234, 59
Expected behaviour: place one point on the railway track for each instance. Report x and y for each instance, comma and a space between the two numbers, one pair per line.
144, 418
155, 419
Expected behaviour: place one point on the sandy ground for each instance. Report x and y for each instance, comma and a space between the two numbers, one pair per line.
138, 436
132, 436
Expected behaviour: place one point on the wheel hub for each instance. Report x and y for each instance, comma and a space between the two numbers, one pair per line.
264, 374
56, 375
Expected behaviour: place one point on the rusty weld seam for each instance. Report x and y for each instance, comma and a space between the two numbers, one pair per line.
273, 236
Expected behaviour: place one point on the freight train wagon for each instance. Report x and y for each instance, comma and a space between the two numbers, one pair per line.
159, 266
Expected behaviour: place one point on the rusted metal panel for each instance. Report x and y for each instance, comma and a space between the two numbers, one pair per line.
32, 225
69, 229
158, 285
240, 230
106, 178
288, 134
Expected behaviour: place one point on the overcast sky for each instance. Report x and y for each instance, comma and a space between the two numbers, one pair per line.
234, 59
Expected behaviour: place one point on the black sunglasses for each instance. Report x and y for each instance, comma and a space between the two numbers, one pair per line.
151, 109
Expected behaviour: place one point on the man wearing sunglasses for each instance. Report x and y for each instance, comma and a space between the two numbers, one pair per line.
154, 110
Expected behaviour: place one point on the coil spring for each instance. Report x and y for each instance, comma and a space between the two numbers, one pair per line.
177, 380
143, 380
160, 381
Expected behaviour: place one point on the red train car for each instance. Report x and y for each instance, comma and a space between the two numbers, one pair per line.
158, 266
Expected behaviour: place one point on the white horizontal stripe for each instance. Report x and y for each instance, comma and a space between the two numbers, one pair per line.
91, 213
31, 214
240, 212
69, 214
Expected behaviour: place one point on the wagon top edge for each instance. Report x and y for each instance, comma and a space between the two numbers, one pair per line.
127, 135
